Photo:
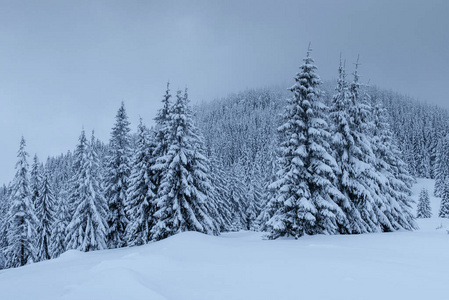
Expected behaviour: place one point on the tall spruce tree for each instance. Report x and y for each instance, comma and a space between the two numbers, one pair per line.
393, 181
64, 173
141, 191
304, 202
22, 220
237, 198
444, 207
203, 179
268, 207
162, 131
424, 210
355, 158
73, 186
35, 180
59, 227
441, 166
254, 205
88, 227
117, 175
45, 212
183, 198
219, 181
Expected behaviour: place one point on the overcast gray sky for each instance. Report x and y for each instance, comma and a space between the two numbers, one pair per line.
68, 64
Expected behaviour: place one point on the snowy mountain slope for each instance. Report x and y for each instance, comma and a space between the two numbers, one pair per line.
192, 266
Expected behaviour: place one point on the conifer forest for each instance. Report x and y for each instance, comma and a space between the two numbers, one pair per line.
319, 158
224, 150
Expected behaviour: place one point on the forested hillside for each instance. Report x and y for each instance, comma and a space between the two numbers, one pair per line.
247, 123
332, 158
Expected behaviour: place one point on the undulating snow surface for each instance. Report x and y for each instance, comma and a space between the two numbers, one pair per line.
401, 265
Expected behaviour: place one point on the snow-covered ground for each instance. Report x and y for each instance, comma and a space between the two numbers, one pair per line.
401, 265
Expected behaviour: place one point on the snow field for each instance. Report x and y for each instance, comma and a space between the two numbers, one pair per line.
193, 266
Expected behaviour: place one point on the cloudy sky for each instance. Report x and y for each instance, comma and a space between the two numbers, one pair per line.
69, 64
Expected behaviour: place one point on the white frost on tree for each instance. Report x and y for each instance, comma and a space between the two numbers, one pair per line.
116, 179
21, 217
88, 227
162, 131
357, 178
183, 199
141, 191
424, 210
220, 185
305, 198
45, 206
441, 166
393, 179
444, 207
237, 198
35, 180
58, 232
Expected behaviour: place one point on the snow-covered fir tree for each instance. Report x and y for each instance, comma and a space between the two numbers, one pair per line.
45, 212
219, 182
183, 197
79, 158
357, 178
61, 171
441, 166
21, 217
203, 178
304, 202
35, 180
88, 227
59, 227
444, 207
423, 209
254, 192
116, 179
141, 191
267, 210
393, 180
62, 174
237, 198
162, 131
